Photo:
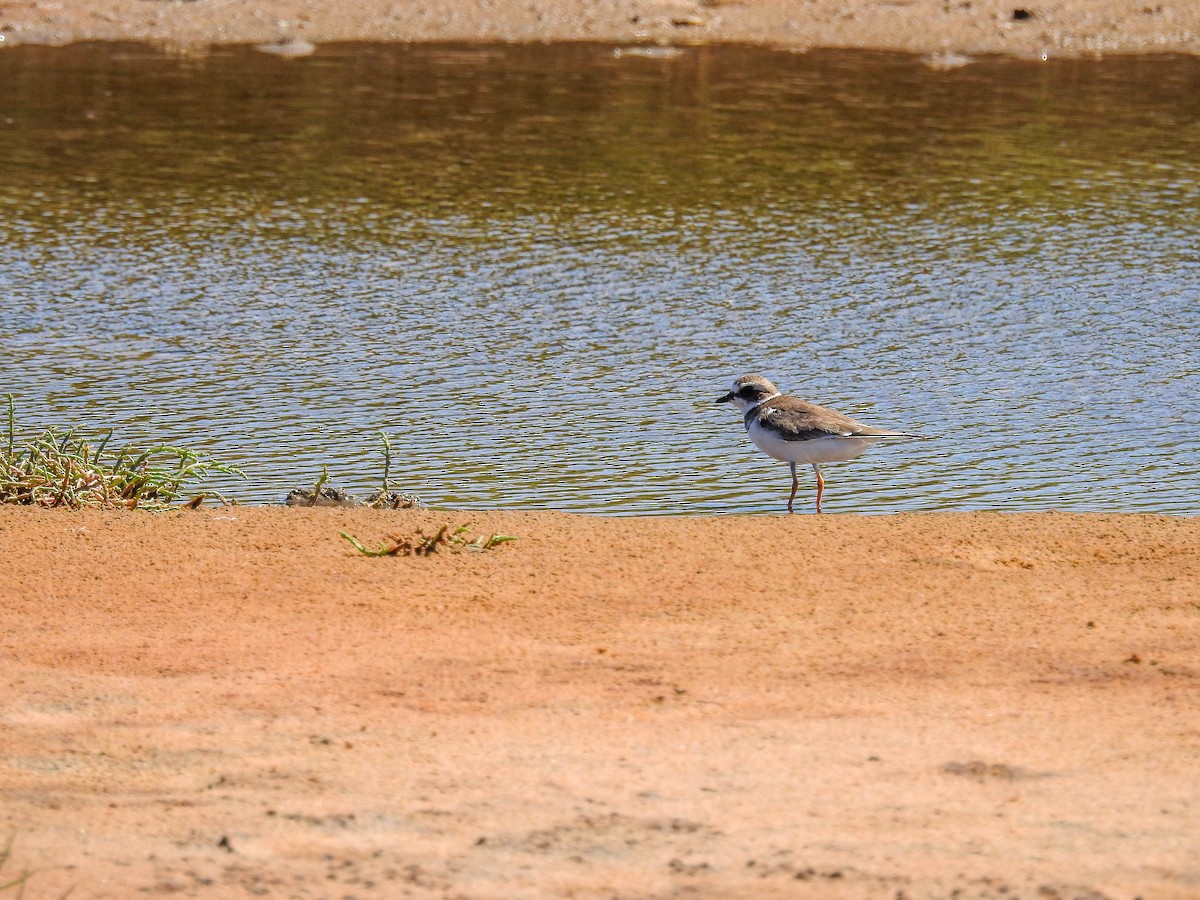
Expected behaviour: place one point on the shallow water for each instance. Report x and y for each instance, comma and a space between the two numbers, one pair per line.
536, 267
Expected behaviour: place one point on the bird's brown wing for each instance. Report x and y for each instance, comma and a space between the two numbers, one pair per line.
799, 420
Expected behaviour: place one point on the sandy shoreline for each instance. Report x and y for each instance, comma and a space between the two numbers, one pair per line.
235, 703
1050, 27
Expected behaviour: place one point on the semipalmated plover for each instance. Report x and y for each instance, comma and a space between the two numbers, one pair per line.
795, 431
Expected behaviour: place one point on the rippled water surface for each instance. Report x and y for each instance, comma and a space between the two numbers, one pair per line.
536, 267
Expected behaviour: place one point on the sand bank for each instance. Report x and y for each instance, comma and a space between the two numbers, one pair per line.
235, 702
1014, 27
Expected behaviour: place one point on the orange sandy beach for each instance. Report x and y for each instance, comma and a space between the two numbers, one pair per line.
234, 702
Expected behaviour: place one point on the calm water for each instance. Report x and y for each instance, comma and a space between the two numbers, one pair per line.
535, 267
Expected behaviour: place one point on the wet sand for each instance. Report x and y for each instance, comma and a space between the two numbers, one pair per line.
1013, 27
234, 702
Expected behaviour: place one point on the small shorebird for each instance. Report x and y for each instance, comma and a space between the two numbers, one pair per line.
795, 431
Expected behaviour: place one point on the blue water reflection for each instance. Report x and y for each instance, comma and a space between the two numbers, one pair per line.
535, 267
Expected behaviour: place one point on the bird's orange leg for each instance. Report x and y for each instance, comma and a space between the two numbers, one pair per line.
820, 485
795, 485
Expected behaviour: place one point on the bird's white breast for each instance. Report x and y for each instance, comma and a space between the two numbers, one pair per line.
817, 450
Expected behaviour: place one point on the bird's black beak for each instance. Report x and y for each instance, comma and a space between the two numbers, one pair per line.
726, 398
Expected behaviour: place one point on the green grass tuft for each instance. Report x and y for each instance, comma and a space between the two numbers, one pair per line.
387, 461
63, 469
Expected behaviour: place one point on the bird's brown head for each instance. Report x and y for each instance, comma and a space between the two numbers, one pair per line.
748, 391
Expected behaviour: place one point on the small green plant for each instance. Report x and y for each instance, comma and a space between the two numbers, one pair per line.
387, 460
63, 469
422, 544
319, 495
316, 491
385, 497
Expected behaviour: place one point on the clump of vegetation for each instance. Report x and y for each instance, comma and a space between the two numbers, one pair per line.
63, 469
322, 494
385, 497
422, 544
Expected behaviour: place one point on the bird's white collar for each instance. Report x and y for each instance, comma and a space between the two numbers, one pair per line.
765, 399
